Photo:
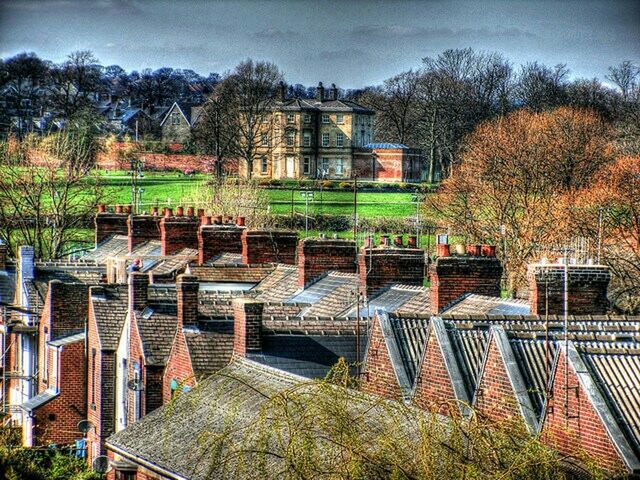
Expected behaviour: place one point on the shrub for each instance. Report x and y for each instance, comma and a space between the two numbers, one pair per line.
345, 185
274, 182
328, 184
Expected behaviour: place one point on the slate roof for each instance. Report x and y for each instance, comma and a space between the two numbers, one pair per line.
472, 304
179, 437
399, 298
386, 146
68, 340
331, 295
39, 400
279, 285
113, 246
7, 286
157, 331
110, 304
170, 265
186, 109
298, 104
210, 346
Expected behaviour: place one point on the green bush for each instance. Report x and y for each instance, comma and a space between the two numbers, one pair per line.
345, 185
328, 184
274, 182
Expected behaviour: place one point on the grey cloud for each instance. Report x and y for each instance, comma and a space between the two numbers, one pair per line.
274, 33
347, 54
365, 32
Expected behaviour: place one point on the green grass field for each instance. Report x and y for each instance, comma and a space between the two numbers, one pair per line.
169, 189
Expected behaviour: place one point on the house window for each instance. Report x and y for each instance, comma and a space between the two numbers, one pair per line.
340, 118
325, 166
93, 377
306, 139
307, 118
291, 118
325, 139
339, 166
265, 140
54, 369
175, 118
126, 475
263, 164
290, 138
339, 139
325, 118
306, 165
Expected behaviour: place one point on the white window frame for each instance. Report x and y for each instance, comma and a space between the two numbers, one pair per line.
339, 139
291, 118
340, 118
306, 165
264, 165
306, 139
325, 118
175, 118
325, 140
307, 118
339, 166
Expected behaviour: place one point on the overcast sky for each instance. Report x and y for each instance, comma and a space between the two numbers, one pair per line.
352, 43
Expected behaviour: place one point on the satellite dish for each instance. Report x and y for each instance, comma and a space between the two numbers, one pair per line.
101, 464
135, 385
85, 425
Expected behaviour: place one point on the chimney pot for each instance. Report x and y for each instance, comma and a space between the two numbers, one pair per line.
240, 221
397, 241
168, 212
127, 209
443, 250
206, 221
118, 208
200, 212
488, 250
190, 211
384, 240
474, 250
217, 219
179, 212
413, 241
154, 211
102, 208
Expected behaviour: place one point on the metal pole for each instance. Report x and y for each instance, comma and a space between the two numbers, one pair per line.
566, 334
599, 233
355, 239
306, 215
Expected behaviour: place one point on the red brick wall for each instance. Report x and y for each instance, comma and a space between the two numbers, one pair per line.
269, 247
587, 289
136, 354
179, 367
317, 256
580, 433
383, 266
379, 377
178, 233
216, 239
452, 277
96, 381
142, 228
247, 325
495, 398
434, 390
56, 421
187, 300
108, 224
391, 165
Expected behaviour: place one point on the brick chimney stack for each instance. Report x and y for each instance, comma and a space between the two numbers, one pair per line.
333, 93
142, 228
214, 240
273, 246
187, 300
385, 265
587, 294
247, 326
282, 91
317, 256
108, 223
138, 290
454, 276
178, 231
320, 93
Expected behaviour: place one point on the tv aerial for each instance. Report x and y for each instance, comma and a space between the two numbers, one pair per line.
85, 425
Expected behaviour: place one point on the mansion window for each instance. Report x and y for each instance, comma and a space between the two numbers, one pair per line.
265, 140
325, 139
339, 166
290, 118
340, 118
263, 164
339, 139
306, 165
175, 118
325, 118
325, 166
290, 139
306, 139
307, 118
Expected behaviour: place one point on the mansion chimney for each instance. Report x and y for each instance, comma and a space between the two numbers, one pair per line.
320, 93
385, 265
317, 256
333, 93
587, 289
455, 276
247, 326
108, 224
187, 300
178, 231
281, 91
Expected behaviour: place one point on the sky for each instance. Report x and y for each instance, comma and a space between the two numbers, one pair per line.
351, 43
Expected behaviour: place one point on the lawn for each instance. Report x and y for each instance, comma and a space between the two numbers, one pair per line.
168, 189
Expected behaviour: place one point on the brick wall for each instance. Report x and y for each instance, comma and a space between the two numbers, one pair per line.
56, 421
178, 232
138, 290
187, 300
383, 266
434, 390
179, 367
578, 430
269, 247
214, 240
587, 289
100, 390
108, 224
136, 355
495, 398
317, 256
391, 164
142, 228
452, 277
247, 325
379, 377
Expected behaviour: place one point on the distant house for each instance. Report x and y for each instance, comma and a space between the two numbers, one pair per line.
126, 120
390, 162
178, 122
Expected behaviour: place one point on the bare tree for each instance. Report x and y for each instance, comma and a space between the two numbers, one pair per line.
75, 83
250, 88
